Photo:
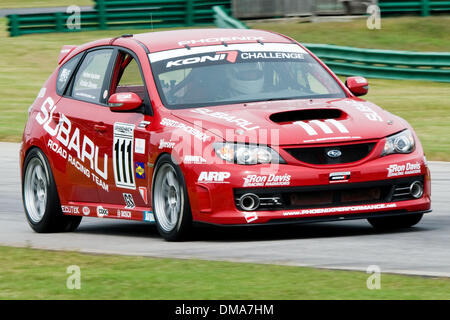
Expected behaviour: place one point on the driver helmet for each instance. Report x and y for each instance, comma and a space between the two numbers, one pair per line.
246, 78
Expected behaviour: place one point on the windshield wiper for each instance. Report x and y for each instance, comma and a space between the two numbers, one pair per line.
275, 99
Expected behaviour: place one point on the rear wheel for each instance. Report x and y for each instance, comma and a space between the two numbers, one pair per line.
40, 198
170, 201
388, 223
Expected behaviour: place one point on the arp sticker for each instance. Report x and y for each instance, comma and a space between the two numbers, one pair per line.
213, 177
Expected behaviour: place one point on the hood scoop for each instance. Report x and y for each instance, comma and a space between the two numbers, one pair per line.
306, 115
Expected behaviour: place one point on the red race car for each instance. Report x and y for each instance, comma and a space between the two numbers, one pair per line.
216, 126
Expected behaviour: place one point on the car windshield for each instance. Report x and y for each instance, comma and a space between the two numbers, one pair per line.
217, 75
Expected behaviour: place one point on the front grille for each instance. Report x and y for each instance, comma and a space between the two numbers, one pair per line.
332, 195
318, 155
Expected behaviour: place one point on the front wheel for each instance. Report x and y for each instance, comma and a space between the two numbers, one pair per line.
389, 223
170, 201
40, 198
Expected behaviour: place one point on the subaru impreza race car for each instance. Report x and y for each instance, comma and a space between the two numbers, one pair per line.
215, 126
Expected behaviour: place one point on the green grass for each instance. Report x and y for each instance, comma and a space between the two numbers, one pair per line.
407, 33
38, 274
12, 4
27, 61
425, 105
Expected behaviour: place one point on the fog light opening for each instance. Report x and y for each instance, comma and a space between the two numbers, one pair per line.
249, 202
416, 189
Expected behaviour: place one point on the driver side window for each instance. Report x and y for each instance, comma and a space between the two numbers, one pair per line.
128, 78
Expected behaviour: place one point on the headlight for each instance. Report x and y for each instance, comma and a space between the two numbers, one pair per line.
246, 154
402, 142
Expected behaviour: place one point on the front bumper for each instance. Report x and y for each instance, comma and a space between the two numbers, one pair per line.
215, 203
305, 220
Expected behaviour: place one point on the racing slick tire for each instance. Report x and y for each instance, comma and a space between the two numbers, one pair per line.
170, 201
40, 197
389, 223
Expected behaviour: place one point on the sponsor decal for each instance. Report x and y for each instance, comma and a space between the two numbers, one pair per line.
365, 109
139, 146
165, 144
89, 75
327, 126
123, 214
148, 216
143, 192
143, 124
271, 55
254, 180
64, 75
85, 95
232, 56
250, 216
332, 138
213, 177
129, 201
341, 209
198, 59
194, 160
360, 80
242, 123
220, 39
369, 113
101, 212
70, 209
86, 211
339, 176
126, 96
66, 141
191, 130
139, 169
395, 170
123, 155
241, 52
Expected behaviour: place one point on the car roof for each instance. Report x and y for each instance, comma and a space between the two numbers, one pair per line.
175, 39
182, 38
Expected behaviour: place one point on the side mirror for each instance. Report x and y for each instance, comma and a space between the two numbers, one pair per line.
124, 101
357, 85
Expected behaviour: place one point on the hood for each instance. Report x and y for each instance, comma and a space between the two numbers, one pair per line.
294, 122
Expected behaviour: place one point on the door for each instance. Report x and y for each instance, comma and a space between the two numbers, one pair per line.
127, 141
80, 112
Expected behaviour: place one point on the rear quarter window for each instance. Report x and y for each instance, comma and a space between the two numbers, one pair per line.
64, 74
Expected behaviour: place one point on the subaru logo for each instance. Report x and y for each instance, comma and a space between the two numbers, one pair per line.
334, 153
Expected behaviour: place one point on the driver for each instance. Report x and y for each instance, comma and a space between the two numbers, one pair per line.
246, 78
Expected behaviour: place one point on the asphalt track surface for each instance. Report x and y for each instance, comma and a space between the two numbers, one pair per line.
350, 245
